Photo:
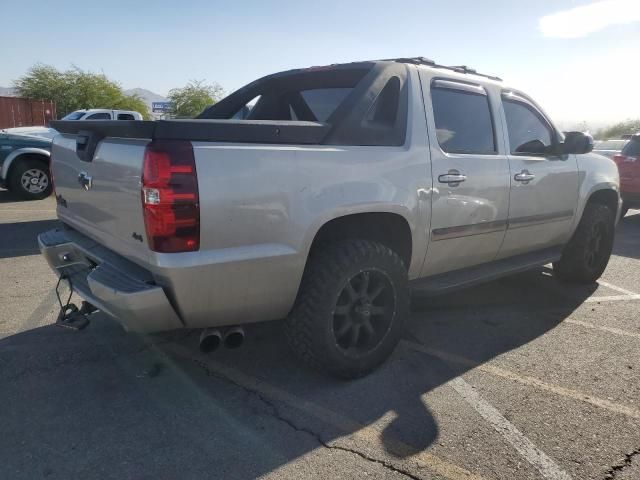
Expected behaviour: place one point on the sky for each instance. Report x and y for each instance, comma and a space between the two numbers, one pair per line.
578, 58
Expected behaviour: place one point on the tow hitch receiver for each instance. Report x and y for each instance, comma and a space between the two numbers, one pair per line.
70, 316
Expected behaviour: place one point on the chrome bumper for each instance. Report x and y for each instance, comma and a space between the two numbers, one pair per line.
111, 283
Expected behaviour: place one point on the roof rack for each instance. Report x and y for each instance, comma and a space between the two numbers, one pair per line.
431, 63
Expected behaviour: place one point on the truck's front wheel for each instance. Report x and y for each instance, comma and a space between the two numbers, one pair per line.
586, 256
351, 308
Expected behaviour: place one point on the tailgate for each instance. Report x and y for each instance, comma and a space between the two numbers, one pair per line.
99, 195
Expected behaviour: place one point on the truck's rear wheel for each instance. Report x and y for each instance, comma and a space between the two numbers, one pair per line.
29, 179
351, 308
587, 254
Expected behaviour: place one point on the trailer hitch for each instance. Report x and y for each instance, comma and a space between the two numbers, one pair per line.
70, 316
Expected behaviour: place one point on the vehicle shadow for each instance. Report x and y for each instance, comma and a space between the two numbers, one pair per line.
109, 404
628, 236
21, 238
6, 196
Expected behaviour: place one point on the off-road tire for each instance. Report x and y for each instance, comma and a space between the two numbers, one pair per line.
17, 172
310, 327
579, 262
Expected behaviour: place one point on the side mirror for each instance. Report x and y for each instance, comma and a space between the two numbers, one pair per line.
577, 143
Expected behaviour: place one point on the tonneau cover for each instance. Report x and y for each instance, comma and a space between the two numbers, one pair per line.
241, 131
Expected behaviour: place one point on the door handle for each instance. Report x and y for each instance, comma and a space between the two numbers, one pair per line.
524, 176
453, 178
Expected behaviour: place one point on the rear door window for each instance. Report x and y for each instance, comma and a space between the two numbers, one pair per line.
125, 116
463, 120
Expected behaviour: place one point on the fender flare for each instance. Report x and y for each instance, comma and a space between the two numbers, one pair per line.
600, 186
6, 165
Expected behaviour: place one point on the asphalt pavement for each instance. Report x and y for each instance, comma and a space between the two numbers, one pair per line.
521, 378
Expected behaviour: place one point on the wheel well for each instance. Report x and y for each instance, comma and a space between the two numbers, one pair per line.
607, 197
389, 229
27, 156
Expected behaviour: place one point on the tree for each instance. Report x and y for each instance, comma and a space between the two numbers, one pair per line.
619, 129
192, 99
76, 89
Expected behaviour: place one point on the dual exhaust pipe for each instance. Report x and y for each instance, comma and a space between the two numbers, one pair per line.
212, 338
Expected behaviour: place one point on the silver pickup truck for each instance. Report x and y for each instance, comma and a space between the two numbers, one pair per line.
345, 188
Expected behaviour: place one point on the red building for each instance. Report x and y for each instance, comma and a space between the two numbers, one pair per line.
25, 112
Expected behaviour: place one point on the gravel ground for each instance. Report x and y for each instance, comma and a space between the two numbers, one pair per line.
522, 378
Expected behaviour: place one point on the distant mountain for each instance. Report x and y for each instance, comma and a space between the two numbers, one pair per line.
8, 92
147, 96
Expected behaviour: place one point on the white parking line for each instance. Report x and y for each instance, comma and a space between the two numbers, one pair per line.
612, 298
615, 331
618, 289
525, 447
352, 428
526, 380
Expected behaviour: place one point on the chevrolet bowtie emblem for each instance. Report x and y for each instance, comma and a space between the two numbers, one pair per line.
85, 180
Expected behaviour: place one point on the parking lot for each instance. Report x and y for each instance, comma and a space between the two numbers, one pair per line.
522, 378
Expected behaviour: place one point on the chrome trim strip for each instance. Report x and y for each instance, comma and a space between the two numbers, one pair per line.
498, 225
538, 219
465, 87
467, 230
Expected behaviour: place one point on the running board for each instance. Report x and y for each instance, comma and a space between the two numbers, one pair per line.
486, 272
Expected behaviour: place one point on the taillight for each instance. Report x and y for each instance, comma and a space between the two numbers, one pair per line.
170, 197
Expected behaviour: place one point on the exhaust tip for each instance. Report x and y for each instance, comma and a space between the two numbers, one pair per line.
234, 338
210, 340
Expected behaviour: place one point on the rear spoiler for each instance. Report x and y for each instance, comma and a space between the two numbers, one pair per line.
240, 131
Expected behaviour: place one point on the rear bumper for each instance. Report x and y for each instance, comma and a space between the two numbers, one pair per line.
113, 284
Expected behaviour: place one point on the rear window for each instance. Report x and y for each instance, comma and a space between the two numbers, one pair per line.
632, 149
306, 95
74, 116
324, 101
356, 104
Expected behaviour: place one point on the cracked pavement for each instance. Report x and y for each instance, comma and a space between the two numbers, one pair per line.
556, 363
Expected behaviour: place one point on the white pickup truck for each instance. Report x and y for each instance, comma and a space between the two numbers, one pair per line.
345, 187
103, 114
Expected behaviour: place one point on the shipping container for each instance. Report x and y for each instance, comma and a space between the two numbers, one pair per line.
25, 112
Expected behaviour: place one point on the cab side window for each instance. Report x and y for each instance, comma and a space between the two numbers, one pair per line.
529, 133
99, 116
125, 116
